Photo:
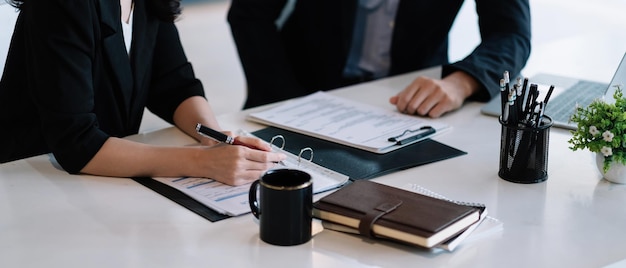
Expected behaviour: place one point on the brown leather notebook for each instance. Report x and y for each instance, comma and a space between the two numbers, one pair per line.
378, 210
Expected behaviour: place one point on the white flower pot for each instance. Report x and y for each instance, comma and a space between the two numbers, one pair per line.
616, 172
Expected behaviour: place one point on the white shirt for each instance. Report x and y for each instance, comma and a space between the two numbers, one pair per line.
127, 29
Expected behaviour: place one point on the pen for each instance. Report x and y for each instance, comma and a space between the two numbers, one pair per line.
519, 100
219, 136
503, 97
542, 106
533, 93
506, 113
547, 98
507, 80
524, 97
512, 116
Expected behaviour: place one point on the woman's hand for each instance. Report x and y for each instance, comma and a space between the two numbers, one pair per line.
236, 164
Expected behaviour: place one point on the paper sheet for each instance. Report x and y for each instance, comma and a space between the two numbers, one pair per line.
233, 200
340, 120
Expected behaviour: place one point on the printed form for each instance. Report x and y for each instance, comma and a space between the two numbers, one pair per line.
344, 121
233, 200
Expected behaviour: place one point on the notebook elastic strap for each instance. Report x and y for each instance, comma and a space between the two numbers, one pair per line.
367, 222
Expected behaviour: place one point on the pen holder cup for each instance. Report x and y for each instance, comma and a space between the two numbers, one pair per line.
524, 152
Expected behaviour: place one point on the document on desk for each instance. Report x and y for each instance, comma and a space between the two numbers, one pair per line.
359, 125
224, 199
233, 200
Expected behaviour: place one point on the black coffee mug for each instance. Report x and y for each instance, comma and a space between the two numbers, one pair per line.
283, 207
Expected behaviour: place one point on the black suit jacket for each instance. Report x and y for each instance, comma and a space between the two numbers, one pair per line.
310, 51
69, 84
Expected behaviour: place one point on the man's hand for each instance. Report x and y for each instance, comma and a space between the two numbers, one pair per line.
433, 97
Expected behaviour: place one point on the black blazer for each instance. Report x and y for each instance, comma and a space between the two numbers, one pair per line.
310, 51
69, 84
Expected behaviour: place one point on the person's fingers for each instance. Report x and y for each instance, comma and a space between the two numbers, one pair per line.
423, 99
405, 98
255, 143
426, 97
265, 158
435, 99
393, 100
438, 110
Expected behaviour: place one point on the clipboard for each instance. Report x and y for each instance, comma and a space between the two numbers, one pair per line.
359, 164
347, 122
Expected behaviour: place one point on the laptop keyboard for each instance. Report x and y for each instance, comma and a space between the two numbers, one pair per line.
584, 92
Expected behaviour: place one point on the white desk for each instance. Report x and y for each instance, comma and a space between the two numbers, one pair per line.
574, 219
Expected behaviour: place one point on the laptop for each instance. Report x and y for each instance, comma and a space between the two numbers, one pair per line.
568, 92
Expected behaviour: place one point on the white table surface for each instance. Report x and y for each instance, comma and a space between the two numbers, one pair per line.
574, 219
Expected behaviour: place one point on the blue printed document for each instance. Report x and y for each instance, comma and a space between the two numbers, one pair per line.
223, 198
233, 200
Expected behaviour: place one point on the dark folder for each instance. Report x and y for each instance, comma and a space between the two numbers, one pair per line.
355, 163
360, 164
181, 199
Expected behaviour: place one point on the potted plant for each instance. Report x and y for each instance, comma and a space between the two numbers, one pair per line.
602, 130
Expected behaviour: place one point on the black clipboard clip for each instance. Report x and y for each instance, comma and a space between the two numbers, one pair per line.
423, 132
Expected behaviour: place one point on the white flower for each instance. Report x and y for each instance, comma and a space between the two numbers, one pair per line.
606, 151
593, 130
608, 136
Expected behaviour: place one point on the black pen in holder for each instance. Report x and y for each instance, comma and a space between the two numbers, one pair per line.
524, 151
